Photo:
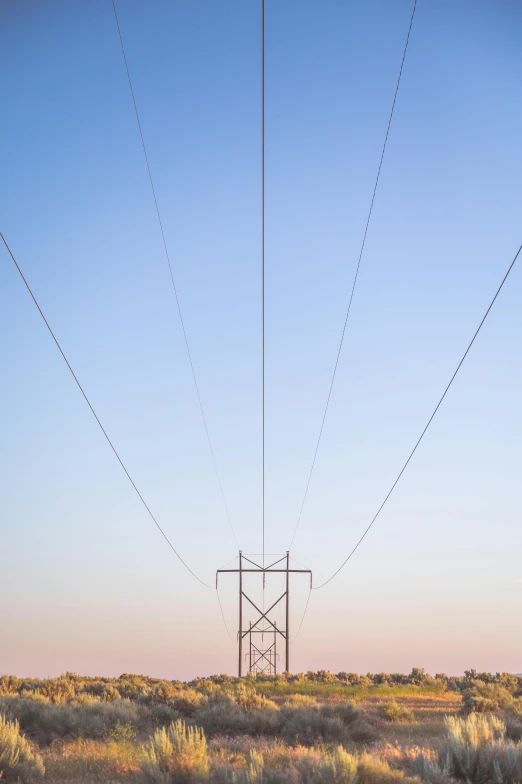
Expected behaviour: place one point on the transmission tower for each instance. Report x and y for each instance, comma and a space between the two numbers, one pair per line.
262, 657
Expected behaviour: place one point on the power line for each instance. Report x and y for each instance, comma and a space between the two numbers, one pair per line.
228, 562
223, 614
167, 255
428, 424
97, 419
356, 273
263, 249
304, 613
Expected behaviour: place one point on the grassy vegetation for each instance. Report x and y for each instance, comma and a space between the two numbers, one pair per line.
310, 727
18, 761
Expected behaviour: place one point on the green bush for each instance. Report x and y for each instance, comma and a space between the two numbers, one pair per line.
394, 712
17, 760
121, 732
176, 754
187, 702
485, 698
248, 698
58, 690
10, 684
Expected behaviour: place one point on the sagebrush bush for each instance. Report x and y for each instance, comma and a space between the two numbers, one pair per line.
371, 770
46, 722
222, 715
186, 702
392, 711
248, 698
474, 730
513, 728
430, 771
121, 732
340, 723
18, 762
281, 764
342, 766
297, 725
176, 754
485, 698
476, 752
34, 694
309, 726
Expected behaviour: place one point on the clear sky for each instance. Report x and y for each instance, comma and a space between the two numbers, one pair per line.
88, 584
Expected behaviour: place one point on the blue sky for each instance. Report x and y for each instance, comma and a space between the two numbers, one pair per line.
90, 584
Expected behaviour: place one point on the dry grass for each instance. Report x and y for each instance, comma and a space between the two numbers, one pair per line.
93, 761
425, 730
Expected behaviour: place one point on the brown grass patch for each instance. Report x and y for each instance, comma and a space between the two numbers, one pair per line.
82, 761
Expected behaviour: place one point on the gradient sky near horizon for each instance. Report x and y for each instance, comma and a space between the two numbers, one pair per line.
88, 583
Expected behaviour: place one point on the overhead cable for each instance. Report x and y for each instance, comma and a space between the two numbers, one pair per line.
223, 614
356, 274
187, 567
167, 256
403, 469
303, 616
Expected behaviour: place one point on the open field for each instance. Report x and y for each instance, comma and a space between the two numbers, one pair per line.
314, 727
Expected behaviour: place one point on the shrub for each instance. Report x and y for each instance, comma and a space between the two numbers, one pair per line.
162, 714
58, 690
371, 770
474, 730
485, 698
46, 722
340, 723
431, 772
34, 694
222, 715
10, 684
121, 732
307, 727
476, 752
343, 766
176, 754
249, 699
17, 760
513, 728
187, 702
394, 712
110, 694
